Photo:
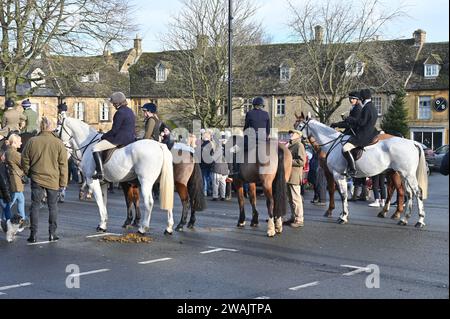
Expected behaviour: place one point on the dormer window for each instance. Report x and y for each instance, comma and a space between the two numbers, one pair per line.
90, 78
2, 82
354, 67
431, 70
161, 72
37, 78
286, 70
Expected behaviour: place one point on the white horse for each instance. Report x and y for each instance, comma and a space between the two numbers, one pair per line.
398, 154
145, 160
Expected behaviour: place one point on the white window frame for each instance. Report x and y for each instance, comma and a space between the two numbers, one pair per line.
90, 78
281, 107
79, 109
354, 67
285, 73
2, 81
429, 130
378, 103
36, 74
104, 111
424, 113
246, 106
161, 73
431, 70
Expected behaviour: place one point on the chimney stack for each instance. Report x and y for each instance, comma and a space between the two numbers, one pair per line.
318, 33
138, 45
420, 37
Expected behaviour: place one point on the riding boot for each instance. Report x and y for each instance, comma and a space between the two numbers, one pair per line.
98, 166
351, 168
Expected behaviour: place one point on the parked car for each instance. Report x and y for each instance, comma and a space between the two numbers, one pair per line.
434, 161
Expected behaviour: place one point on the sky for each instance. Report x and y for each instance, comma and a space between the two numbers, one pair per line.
152, 17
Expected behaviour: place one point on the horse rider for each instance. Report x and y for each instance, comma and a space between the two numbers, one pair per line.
62, 108
12, 118
122, 131
31, 117
355, 112
152, 123
255, 120
364, 128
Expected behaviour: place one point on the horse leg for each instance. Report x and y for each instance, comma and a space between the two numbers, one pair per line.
126, 192
146, 193
192, 219
341, 183
169, 228
184, 196
240, 190
331, 186
252, 197
94, 185
272, 229
397, 181
409, 203
137, 209
390, 191
415, 191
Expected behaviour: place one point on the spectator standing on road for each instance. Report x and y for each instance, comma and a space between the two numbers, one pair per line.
13, 159
379, 190
44, 160
220, 172
297, 149
206, 163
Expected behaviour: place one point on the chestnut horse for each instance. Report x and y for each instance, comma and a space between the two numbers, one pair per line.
273, 173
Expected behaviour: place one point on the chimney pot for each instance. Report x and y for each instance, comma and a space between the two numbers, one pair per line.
318, 33
420, 37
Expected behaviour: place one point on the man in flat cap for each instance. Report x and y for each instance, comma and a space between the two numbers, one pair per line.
121, 133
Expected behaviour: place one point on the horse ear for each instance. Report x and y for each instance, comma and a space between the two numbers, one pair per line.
309, 115
302, 116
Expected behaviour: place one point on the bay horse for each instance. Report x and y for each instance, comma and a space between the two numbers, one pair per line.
397, 154
188, 184
394, 182
272, 171
144, 160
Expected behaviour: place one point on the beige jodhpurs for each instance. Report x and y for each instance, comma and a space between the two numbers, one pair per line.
103, 145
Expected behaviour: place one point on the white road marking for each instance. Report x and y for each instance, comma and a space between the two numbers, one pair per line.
312, 284
15, 286
102, 235
215, 250
262, 298
42, 243
153, 261
89, 273
356, 271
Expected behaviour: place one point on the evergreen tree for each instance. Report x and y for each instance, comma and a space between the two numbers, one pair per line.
396, 118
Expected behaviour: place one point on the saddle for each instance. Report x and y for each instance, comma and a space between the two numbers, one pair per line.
106, 155
358, 151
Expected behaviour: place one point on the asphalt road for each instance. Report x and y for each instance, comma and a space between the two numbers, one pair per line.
320, 260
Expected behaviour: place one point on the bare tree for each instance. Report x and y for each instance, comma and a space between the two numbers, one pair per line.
198, 39
70, 27
340, 51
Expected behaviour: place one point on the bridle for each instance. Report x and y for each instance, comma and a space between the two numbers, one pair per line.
335, 142
69, 146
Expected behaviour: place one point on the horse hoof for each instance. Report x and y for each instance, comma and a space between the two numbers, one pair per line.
271, 234
140, 233
342, 221
190, 226
135, 224
402, 223
166, 232
395, 217
328, 215
381, 215
254, 225
179, 228
241, 225
419, 225
101, 230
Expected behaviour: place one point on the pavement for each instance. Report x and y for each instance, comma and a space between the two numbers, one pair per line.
217, 260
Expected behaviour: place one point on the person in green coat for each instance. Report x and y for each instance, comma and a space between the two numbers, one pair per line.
31, 118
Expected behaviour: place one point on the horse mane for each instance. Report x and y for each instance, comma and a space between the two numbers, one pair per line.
83, 125
325, 129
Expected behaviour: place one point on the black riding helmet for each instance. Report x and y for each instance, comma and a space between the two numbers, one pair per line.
62, 107
258, 101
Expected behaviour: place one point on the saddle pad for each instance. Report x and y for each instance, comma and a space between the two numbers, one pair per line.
106, 155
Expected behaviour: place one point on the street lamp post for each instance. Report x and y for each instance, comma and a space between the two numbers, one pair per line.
230, 55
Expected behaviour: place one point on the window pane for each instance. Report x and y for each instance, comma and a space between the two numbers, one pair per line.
428, 139
418, 137
424, 108
437, 140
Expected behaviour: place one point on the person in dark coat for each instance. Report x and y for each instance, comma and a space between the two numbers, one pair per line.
121, 133
364, 128
258, 119
219, 174
5, 194
152, 123
355, 112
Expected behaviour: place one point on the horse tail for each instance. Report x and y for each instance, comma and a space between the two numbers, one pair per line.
166, 180
421, 173
279, 187
195, 189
